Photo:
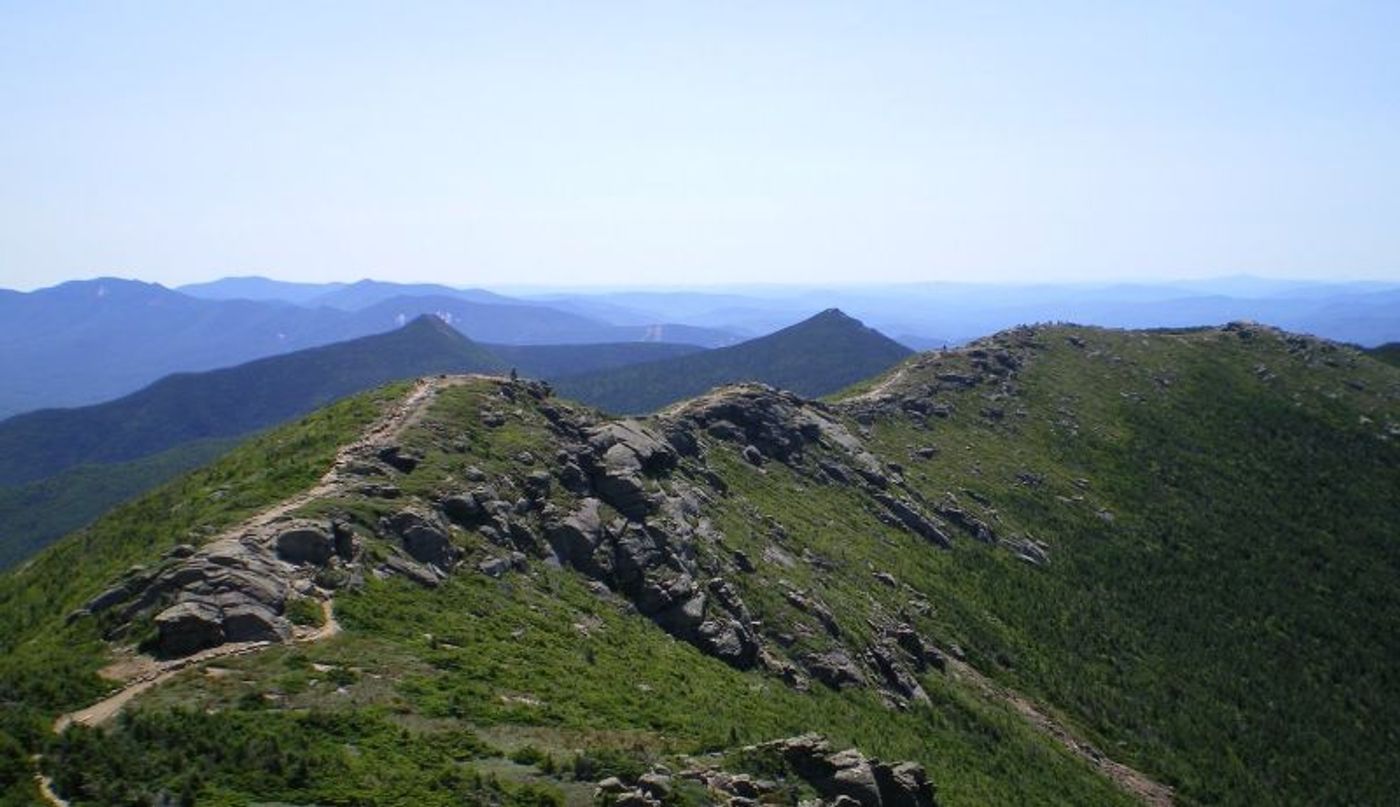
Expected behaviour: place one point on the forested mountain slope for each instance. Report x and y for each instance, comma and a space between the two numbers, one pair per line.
817, 356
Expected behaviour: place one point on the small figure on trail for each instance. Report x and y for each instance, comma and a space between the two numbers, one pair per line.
514, 376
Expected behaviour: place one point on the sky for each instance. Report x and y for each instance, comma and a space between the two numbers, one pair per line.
650, 143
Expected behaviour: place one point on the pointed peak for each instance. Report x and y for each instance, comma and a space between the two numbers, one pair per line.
433, 324
830, 317
428, 321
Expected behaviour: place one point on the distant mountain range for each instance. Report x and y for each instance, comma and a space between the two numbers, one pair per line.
89, 341
925, 315
229, 402
815, 357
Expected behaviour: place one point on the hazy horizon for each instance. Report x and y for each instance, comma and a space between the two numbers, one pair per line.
557, 145
756, 287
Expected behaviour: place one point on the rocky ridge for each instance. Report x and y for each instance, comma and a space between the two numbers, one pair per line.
623, 501
844, 778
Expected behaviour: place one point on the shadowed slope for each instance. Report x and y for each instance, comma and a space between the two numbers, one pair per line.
817, 356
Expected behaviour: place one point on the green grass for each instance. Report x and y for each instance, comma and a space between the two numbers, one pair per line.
490, 656
1388, 353
254, 753
48, 665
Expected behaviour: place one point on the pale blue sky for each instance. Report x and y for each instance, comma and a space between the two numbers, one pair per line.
569, 143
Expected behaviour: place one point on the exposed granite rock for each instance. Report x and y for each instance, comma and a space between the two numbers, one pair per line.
424, 538
425, 576
834, 668
463, 508
950, 509
399, 458
305, 542
911, 516
189, 626
576, 537
851, 775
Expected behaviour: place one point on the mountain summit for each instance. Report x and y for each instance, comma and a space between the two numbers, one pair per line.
817, 356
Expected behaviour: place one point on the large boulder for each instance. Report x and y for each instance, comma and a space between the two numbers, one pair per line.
189, 626
628, 451
305, 542
424, 538
575, 538
463, 508
904, 784
629, 446
252, 622
852, 776
729, 641
625, 491
400, 458
834, 668
848, 776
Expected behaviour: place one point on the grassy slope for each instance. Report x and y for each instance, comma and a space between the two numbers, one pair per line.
1235, 627
533, 659
1388, 353
46, 666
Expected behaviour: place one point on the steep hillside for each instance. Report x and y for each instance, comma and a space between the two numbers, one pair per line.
1388, 353
33, 515
228, 402
817, 356
1062, 566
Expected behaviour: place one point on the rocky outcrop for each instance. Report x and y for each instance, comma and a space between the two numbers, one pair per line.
626, 503
950, 509
849, 774
909, 515
844, 778
834, 668
306, 542
230, 591
424, 538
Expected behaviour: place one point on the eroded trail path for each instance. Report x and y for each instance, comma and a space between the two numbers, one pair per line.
1139, 784
140, 673
381, 433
